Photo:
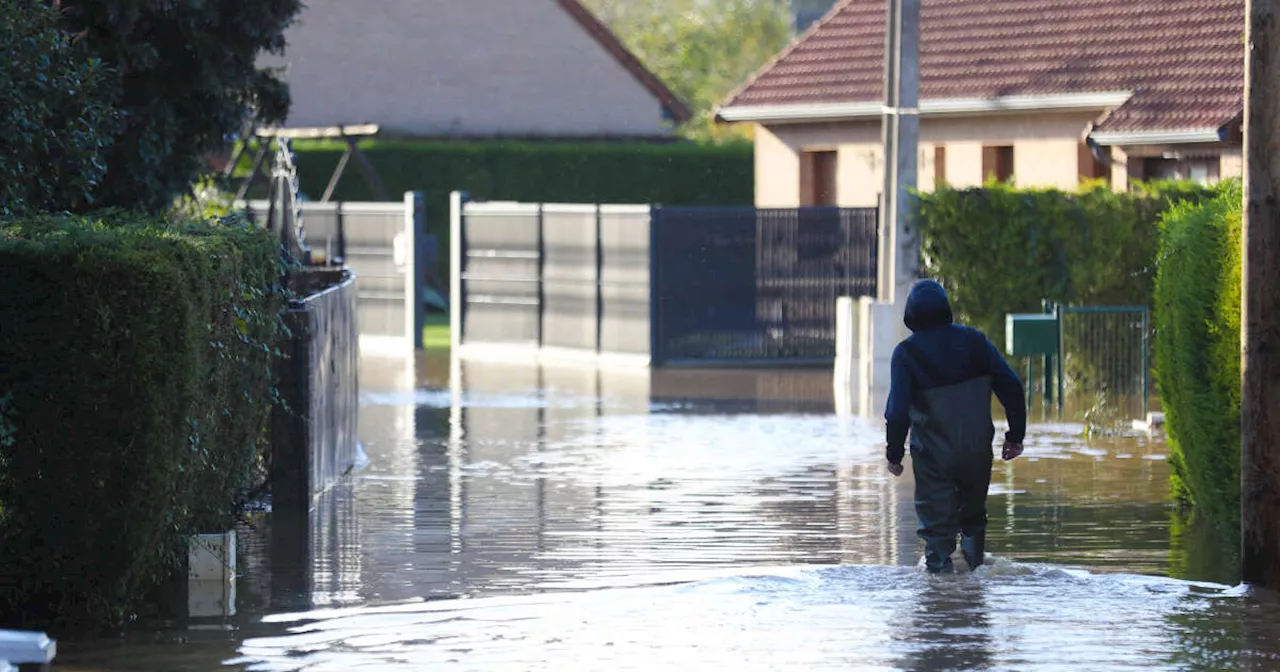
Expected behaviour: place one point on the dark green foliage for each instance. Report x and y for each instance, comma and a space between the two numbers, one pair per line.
1000, 249
135, 368
187, 78
58, 116
1198, 354
675, 174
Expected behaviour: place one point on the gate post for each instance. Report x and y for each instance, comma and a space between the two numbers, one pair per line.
415, 225
542, 277
656, 356
599, 279
457, 266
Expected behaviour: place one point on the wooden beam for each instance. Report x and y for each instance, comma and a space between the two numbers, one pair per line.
370, 173
1260, 294
258, 160
337, 172
313, 133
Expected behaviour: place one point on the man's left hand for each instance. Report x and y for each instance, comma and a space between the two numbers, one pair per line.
895, 469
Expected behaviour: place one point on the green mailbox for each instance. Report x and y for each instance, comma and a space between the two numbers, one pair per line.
1030, 334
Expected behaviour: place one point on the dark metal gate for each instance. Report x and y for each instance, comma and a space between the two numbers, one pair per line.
665, 285
745, 284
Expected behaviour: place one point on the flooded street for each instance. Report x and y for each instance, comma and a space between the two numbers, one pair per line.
516, 517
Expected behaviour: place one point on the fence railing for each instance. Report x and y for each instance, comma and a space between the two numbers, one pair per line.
657, 285
1106, 357
381, 243
757, 284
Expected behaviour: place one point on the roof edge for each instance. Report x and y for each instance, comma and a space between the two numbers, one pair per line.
795, 43
1181, 136
612, 44
813, 112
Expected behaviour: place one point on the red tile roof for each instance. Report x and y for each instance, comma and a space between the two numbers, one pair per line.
1183, 59
607, 39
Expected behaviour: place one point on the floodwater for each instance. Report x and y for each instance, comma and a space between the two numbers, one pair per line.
516, 517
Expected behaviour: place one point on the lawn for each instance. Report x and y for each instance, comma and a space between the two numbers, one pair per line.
435, 335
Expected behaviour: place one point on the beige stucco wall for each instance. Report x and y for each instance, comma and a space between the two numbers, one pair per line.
448, 67
964, 163
777, 171
1045, 154
1232, 163
1119, 169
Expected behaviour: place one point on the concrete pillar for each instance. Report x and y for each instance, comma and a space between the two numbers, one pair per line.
865, 339
899, 243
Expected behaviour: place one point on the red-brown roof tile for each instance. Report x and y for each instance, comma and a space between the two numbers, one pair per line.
1183, 59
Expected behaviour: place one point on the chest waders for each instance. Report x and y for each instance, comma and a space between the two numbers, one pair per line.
951, 438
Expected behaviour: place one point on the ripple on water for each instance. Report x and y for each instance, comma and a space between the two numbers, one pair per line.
566, 528
1006, 616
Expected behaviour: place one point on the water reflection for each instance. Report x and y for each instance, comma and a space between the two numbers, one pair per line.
949, 628
531, 516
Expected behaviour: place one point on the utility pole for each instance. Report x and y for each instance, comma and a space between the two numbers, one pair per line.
899, 255
1260, 294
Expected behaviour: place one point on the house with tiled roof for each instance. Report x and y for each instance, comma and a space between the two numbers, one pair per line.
1042, 92
540, 69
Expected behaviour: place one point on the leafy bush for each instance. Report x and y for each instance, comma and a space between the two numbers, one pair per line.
1198, 353
675, 174
187, 75
58, 116
135, 368
1000, 249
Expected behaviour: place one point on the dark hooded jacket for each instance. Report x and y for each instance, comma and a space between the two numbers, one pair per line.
939, 354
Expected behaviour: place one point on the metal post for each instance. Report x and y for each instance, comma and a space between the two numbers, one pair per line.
899, 255
1031, 380
416, 232
342, 235
599, 282
656, 326
542, 278
1260, 323
1146, 362
1060, 312
1049, 361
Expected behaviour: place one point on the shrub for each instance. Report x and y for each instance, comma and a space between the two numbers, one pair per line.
1000, 249
134, 361
672, 174
1198, 353
58, 115
188, 78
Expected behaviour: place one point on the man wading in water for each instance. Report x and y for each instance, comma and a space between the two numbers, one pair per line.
942, 379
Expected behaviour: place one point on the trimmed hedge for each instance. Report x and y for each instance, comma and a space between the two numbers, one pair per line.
1198, 354
1000, 249
135, 368
668, 174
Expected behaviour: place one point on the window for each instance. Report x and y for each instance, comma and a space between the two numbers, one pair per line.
939, 165
1202, 169
997, 163
818, 178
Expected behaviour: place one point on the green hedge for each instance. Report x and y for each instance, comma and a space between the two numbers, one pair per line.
135, 369
671, 174
1198, 353
1000, 249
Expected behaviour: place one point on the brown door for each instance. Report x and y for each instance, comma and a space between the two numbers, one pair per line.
818, 178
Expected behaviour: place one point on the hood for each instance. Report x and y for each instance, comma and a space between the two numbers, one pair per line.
927, 307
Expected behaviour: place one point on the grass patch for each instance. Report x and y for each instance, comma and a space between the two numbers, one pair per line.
435, 335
